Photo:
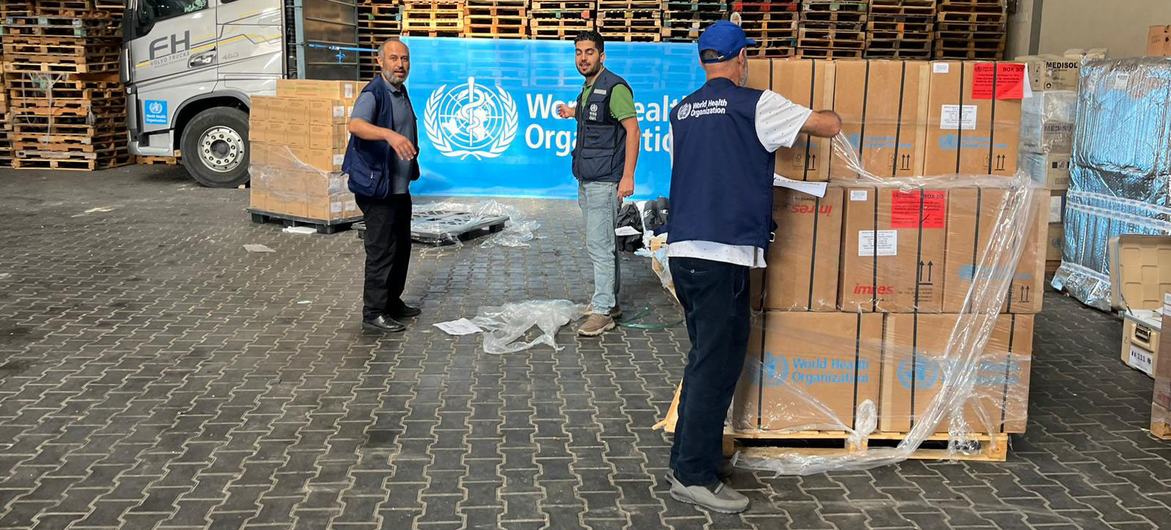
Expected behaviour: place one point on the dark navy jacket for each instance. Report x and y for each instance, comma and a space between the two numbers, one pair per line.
600, 152
371, 164
721, 175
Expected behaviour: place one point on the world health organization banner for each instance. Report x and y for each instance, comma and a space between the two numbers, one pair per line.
488, 120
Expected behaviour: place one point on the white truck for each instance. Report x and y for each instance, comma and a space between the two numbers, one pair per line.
191, 66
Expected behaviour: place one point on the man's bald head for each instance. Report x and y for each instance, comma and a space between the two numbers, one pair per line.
395, 59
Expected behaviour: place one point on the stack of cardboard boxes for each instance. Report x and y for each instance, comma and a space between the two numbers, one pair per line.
864, 285
298, 140
1047, 127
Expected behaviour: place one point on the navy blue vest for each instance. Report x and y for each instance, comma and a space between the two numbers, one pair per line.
600, 151
721, 175
370, 163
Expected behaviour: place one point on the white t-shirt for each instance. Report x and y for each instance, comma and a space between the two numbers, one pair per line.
778, 122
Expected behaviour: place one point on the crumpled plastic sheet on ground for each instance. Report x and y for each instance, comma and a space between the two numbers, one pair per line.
1120, 173
972, 387
518, 229
505, 327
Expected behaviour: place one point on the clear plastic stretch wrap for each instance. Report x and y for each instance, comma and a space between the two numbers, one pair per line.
928, 348
1120, 173
288, 181
1047, 121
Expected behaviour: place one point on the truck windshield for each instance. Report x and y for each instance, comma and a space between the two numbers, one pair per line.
155, 10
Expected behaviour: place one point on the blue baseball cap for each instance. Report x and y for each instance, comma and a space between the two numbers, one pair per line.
726, 39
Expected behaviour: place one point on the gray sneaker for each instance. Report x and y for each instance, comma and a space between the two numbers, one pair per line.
595, 325
721, 499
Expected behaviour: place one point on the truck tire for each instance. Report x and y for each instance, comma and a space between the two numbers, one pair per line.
215, 147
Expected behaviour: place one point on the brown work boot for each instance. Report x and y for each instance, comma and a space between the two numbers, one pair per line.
595, 325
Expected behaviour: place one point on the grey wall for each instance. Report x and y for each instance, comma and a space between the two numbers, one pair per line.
1053, 26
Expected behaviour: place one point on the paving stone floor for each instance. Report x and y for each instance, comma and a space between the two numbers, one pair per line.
154, 374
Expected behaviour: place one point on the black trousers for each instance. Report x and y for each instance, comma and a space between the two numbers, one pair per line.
388, 252
715, 298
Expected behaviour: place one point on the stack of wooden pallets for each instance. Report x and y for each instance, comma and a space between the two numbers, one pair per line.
833, 29
773, 25
6, 126
630, 20
433, 18
497, 19
900, 29
561, 19
684, 20
970, 29
378, 20
67, 106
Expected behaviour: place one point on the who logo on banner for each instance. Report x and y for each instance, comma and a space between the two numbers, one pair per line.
470, 120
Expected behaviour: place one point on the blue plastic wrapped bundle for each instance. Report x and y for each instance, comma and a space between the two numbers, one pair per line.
1120, 173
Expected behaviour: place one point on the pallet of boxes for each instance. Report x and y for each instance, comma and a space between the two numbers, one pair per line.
879, 291
66, 104
298, 140
1161, 405
1047, 123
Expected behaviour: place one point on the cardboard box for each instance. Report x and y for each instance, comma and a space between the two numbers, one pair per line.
1140, 271
972, 215
1056, 206
1141, 330
945, 118
797, 360
893, 250
1161, 406
1052, 72
849, 101
760, 73
315, 88
1050, 170
809, 83
1055, 241
895, 123
1159, 41
803, 261
916, 355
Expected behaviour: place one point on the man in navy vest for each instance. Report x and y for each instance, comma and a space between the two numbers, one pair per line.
603, 162
380, 161
723, 138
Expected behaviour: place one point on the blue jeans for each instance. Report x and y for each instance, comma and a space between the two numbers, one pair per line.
599, 206
714, 296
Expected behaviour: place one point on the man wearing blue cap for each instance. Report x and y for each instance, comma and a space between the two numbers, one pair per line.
723, 138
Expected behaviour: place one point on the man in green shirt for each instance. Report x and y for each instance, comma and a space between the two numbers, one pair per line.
604, 157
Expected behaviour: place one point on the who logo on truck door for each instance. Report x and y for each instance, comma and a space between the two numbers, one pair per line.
154, 112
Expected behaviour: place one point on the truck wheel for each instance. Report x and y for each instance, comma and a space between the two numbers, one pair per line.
215, 147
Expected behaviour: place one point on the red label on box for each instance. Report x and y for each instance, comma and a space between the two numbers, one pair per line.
984, 81
1010, 81
908, 210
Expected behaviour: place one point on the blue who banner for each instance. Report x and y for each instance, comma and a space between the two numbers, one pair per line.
488, 120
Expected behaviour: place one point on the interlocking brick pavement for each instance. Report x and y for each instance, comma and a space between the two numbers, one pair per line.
153, 374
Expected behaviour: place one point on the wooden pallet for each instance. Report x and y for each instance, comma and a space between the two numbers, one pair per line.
766, 7
323, 227
563, 5
833, 11
423, 19
829, 53
687, 27
899, 48
158, 160
494, 27
558, 28
830, 444
66, 164
630, 25
58, 26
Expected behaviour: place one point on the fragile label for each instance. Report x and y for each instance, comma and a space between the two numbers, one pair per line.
958, 117
940, 68
913, 209
1142, 359
859, 195
878, 243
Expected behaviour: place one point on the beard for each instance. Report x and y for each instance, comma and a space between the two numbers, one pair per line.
590, 71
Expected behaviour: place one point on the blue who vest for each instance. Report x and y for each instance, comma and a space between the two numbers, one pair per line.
370, 164
721, 175
600, 151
